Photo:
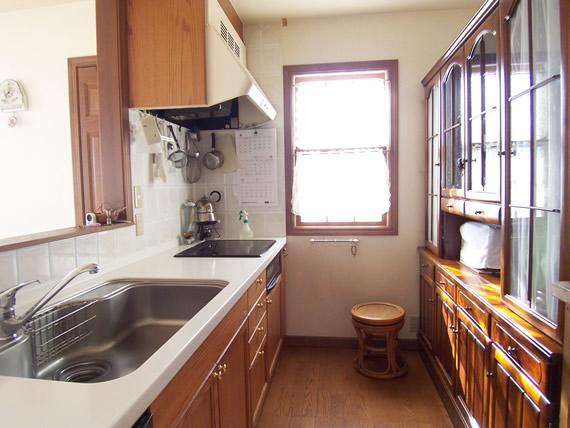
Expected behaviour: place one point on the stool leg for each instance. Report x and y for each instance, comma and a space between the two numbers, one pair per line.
359, 360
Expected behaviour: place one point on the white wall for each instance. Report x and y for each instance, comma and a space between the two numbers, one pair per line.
36, 181
325, 281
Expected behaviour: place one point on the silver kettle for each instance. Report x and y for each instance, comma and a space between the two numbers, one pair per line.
205, 208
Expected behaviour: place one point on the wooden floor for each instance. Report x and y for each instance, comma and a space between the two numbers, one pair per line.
318, 387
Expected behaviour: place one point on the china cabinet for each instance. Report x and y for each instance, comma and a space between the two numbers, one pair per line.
493, 342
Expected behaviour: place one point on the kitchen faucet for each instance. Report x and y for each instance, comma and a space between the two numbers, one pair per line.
10, 325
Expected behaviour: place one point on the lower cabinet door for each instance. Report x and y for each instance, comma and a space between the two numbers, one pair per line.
203, 411
232, 390
427, 311
514, 400
472, 357
274, 327
445, 336
257, 384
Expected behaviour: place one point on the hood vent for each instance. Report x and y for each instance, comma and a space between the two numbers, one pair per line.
235, 99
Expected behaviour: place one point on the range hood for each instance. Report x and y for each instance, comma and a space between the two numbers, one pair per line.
234, 98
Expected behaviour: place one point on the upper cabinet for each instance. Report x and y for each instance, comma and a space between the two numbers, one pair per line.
535, 158
483, 148
452, 132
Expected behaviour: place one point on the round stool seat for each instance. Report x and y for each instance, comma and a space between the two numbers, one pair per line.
377, 325
378, 313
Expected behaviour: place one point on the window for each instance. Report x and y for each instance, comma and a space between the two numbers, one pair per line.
341, 148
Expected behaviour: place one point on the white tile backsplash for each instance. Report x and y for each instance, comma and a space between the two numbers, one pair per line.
33, 263
62, 257
8, 269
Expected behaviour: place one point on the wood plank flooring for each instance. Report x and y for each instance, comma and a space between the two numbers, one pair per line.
318, 387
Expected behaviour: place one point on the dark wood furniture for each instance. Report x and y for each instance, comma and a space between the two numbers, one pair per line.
499, 95
224, 383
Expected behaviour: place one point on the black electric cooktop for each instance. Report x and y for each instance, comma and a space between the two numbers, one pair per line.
228, 248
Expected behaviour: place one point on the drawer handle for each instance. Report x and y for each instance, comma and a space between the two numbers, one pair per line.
285, 253
511, 350
453, 329
268, 301
468, 308
261, 352
259, 280
224, 367
449, 205
260, 329
260, 305
442, 283
218, 375
479, 212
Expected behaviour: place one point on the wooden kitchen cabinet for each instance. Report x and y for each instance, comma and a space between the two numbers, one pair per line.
514, 400
427, 312
274, 326
445, 332
473, 348
203, 410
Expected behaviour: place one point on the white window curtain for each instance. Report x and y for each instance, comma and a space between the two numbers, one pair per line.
341, 136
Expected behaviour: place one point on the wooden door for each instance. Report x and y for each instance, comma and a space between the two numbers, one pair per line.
257, 384
445, 335
274, 327
472, 360
513, 400
427, 311
203, 411
86, 142
232, 390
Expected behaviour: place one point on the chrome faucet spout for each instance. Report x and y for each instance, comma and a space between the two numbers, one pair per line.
10, 325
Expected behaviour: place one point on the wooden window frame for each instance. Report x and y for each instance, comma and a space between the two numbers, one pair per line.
389, 225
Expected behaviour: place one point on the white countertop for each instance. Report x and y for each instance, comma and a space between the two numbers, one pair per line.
120, 402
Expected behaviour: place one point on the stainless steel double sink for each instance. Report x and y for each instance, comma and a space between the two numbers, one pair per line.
108, 331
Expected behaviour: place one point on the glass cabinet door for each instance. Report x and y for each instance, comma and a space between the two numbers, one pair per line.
535, 153
433, 165
483, 143
454, 163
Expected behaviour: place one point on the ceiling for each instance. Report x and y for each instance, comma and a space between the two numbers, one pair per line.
10, 5
266, 10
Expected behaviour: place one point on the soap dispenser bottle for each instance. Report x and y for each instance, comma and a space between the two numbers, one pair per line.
245, 231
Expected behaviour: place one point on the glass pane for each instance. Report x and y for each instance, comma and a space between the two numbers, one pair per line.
434, 219
457, 91
448, 100
476, 155
548, 152
458, 158
429, 219
491, 147
519, 48
449, 160
545, 262
519, 239
490, 76
430, 166
520, 180
475, 72
430, 114
436, 109
436, 166
545, 39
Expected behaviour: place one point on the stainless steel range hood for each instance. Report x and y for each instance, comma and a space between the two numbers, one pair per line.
231, 90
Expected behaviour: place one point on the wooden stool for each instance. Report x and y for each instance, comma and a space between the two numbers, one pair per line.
377, 325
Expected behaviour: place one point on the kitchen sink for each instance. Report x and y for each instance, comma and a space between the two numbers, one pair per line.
108, 331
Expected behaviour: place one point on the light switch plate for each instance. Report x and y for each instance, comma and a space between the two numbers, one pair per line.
137, 190
139, 224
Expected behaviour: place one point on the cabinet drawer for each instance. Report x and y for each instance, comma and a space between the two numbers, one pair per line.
257, 338
255, 290
257, 384
445, 283
528, 361
427, 267
477, 313
453, 206
257, 312
489, 213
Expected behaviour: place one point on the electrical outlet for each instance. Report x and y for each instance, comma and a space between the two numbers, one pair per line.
137, 190
139, 224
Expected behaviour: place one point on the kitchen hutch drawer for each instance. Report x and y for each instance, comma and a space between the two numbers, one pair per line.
427, 268
528, 361
445, 284
477, 313
480, 211
257, 312
453, 206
